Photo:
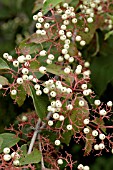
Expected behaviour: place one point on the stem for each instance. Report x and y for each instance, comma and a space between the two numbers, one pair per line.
40, 148
34, 136
37, 130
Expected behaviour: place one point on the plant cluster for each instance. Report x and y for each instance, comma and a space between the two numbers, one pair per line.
50, 68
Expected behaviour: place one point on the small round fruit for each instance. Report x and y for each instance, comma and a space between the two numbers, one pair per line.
13, 92
101, 146
102, 136
24, 118
15, 155
69, 127
7, 157
86, 121
16, 162
96, 147
6, 150
57, 142
19, 80
50, 123
15, 63
61, 118
86, 130
60, 161
95, 133
80, 167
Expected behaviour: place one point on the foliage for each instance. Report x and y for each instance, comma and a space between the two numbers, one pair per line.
52, 68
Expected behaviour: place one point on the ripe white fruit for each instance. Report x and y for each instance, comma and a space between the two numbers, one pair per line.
69, 127
97, 102
61, 118
15, 155
86, 130
84, 86
74, 20
68, 90
80, 167
86, 121
6, 150
109, 104
51, 56
35, 17
13, 92
60, 161
86, 168
78, 38
50, 123
90, 20
38, 92
7, 157
69, 107
67, 70
48, 61
81, 103
42, 69
15, 63
60, 58
86, 92
57, 142
16, 162
19, 80
25, 71
37, 87
58, 103
102, 112
96, 147
5, 55
46, 25
95, 133
102, 136
43, 53
55, 116
21, 59
24, 118
101, 146
82, 42
46, 90
53, 94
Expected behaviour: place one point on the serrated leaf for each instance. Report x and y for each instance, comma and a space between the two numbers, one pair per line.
49, 4
3, 64
3, 80
9, 140
89, 142
34, 157
20, 97
40, 103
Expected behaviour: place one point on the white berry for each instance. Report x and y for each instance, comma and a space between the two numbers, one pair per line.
19, 80
7, 157
57, 142
95, 133
86, 130
6, 150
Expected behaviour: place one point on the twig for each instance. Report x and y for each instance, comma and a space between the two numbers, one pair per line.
38, 129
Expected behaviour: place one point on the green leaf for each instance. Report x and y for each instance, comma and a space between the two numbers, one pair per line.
102, 67
34, 157
40, 103
3, 80
3, 64
9, 140
24, 149
108, 34
89, 142
49, 4
79, 114
57, 70
1, 141
21, 96
100, 123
